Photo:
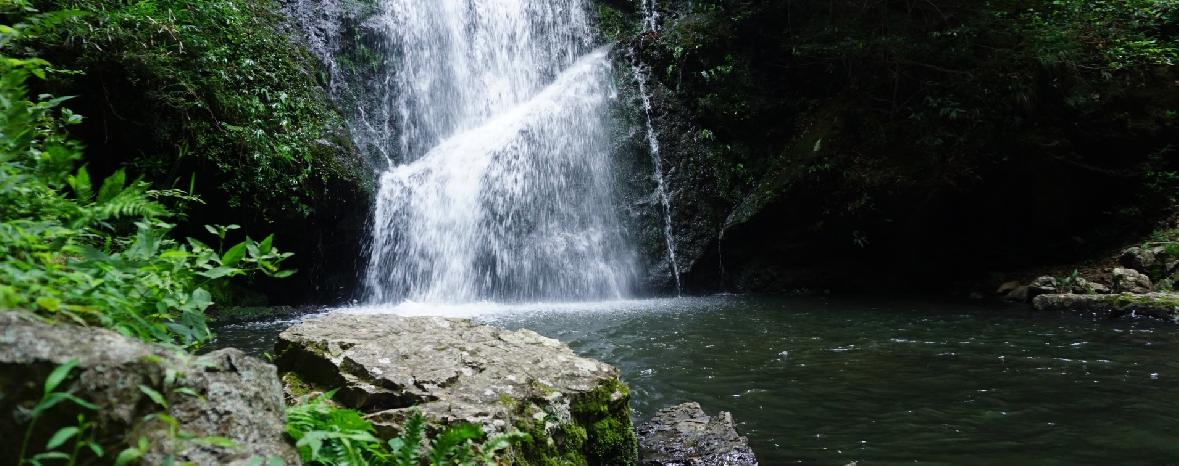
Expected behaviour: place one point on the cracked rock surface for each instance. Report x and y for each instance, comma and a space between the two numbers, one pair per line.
454, 370
683, 435
220, 394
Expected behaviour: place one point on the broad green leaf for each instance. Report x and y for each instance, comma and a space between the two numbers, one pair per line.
216, 441
80, 402
58, 375
266, 245
127, 456
201, 299
49, 303
154, 395
284, 273
234, 255
219, 272
59, 438
187, 391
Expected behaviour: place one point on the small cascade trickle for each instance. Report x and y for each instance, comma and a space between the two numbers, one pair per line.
657, 171
651, 24
650, 16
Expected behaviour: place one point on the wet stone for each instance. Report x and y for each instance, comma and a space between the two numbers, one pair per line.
683, 435
453, 371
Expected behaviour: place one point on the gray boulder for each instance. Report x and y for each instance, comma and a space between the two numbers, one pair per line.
1130, 281
1008, 287
683, 435
453, 370
1138, 258
1020, 294
223, 395
1043, 285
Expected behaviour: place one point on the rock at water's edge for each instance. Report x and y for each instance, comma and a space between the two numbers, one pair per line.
1163, 306
452, 370
221, 394
683, 435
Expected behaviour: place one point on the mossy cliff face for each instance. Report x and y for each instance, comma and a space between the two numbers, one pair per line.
214, 97
859, 144
575, 409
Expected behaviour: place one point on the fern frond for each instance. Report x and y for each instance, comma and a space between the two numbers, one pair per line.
132, 202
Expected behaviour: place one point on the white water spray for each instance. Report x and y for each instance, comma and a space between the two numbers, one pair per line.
650, 15
503, 186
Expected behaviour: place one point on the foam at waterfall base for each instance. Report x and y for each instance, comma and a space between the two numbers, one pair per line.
488, 309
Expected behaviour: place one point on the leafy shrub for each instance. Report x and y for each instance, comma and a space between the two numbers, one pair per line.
329, 435
209, 86
82, 433
99, 253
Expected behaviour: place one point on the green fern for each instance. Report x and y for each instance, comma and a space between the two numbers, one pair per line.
100, 256
328, 435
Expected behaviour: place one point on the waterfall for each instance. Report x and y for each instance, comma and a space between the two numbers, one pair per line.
650, 12
499, 184
657, 170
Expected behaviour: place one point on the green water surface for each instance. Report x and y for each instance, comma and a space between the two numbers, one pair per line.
877, 381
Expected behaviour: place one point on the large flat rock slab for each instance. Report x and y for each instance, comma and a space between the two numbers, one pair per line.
683, 435
1162, 306
453, 370
221, 394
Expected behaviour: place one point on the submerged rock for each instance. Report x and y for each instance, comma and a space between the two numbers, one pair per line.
223, 395
452, 370
683, 435
1163, 306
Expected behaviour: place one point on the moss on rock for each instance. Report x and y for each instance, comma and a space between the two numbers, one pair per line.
590, 428
1163, 306
576, 410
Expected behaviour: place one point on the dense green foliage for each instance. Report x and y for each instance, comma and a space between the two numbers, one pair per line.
872, 128
99, 253
208, 86
942, 78
213, 98
330, 435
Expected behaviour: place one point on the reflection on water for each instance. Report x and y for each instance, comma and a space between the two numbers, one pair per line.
830, 381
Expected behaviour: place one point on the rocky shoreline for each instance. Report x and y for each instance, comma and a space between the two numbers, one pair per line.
225, 407
1141, 284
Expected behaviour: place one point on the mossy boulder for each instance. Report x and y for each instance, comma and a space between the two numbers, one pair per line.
1163, 306
453, 370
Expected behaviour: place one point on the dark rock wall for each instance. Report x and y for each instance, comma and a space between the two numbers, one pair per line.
872, 146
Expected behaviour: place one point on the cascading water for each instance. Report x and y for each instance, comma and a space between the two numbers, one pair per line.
650, 15
657, 169
651, 24
502, 188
